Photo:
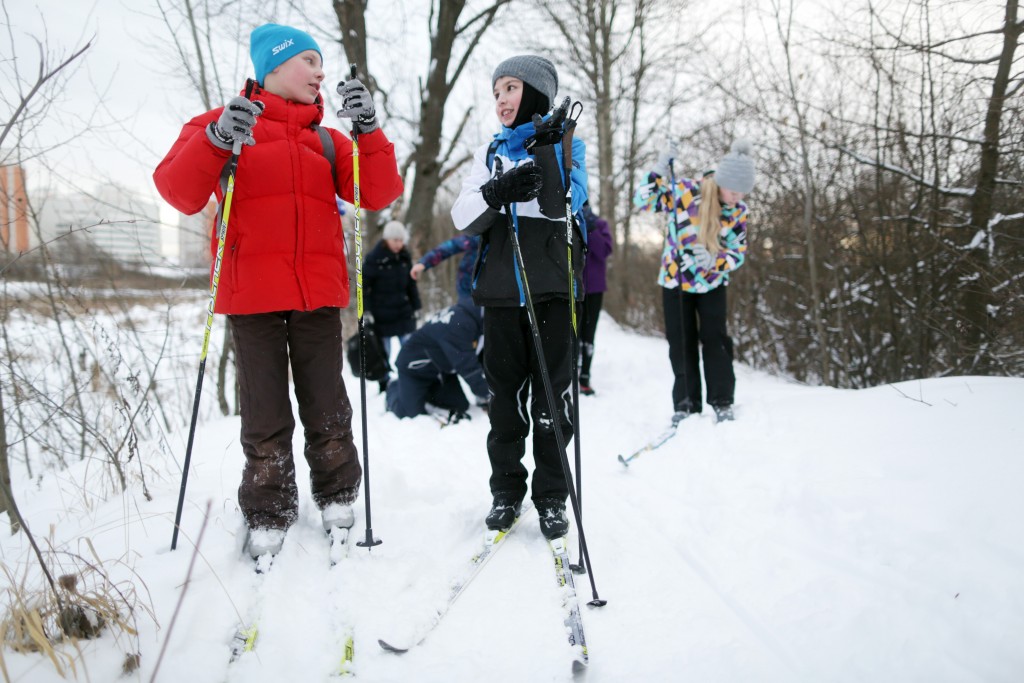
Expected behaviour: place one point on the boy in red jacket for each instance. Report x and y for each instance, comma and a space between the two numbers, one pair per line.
284, 278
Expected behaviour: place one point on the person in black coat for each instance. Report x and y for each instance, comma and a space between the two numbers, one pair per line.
431, 361
392, 297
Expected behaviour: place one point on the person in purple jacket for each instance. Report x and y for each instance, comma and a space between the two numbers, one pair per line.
599, 248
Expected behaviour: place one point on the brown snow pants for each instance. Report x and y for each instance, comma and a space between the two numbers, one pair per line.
265, 343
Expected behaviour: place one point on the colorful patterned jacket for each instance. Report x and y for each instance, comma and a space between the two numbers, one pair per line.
682, 234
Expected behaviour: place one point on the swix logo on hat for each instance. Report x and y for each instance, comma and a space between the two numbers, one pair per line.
278, 48
272, 44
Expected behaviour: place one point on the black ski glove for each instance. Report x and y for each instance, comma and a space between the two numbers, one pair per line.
521, 184
357, 105
235, 123
548, 132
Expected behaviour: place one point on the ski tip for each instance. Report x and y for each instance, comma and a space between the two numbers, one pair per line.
388, 647
263, 563
579, 667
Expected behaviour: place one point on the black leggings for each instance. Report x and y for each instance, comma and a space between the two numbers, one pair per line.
590, 311
691, 318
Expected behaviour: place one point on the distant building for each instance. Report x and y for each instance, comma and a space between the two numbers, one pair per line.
15, 236
194, 234
123, 224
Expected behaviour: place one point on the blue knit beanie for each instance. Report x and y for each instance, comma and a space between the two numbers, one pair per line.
271, 45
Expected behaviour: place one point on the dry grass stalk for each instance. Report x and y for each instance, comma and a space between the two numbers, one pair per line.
86, 604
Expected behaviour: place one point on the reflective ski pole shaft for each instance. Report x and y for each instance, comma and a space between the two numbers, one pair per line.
574, 337
549, 393
369, 541
222, 231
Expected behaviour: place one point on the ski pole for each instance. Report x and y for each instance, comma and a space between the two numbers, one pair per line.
549, 393
570, 129
222, 231
682, 322
369, 541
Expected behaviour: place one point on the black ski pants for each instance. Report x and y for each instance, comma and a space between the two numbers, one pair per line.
691, 319
590, 311
513, 374
266, 344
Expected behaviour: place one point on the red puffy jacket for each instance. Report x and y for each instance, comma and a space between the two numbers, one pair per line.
284, 245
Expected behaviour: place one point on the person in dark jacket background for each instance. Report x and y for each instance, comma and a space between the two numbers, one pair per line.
391, 294
431, 361
599, 248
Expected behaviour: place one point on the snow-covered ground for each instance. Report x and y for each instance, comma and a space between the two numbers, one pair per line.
825, 535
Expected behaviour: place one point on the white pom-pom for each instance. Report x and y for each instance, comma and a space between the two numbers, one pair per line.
742, 146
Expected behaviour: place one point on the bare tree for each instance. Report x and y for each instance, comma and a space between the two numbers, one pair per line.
27, 99
453, 38
971, 245
784, 21
193, 28
871, 126
976, 263
598, 37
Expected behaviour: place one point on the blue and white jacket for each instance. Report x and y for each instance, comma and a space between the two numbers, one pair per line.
541, 230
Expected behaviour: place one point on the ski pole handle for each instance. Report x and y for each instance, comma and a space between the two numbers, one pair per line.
236, 148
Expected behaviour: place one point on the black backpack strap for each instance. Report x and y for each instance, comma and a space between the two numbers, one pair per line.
328, 144
492, 149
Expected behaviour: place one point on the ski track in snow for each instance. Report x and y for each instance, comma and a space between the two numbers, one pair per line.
825, 535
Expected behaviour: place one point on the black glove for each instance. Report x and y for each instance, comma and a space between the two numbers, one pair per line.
235, 123
521, 184
356, 104
548, 132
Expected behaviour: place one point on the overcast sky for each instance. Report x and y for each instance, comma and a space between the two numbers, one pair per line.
113, 88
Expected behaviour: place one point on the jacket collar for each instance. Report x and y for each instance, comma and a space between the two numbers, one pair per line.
514, 138
276, 108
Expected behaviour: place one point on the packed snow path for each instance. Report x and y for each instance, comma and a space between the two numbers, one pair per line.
824, 535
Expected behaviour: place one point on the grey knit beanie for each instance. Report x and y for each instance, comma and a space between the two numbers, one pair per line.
394, 230
537, 71
736, 169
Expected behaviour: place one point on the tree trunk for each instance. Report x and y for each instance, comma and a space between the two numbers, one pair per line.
974, 267
433, 98
352, 21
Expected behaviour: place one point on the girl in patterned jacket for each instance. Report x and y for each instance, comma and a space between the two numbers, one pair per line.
705, 242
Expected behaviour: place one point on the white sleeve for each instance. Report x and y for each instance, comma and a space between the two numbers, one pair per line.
470, 212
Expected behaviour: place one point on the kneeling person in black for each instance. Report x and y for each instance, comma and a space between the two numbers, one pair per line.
430, 363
